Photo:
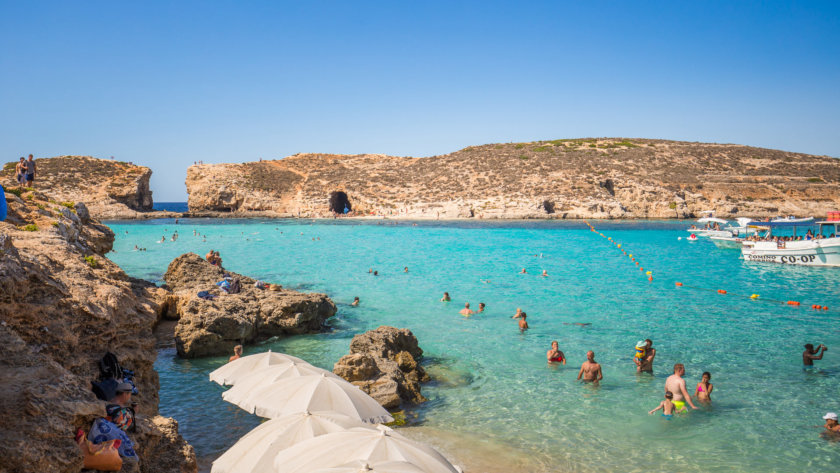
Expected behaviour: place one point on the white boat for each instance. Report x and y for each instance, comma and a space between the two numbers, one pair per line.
822, 251
737, 235
709, 226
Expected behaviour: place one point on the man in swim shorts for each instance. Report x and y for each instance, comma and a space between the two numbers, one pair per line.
675, 384
30, 172
466, 311
646, 364
590, 370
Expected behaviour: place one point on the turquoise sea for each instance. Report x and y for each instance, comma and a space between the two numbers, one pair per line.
492, 384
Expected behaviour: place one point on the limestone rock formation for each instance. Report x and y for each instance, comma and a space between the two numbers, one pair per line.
579, 178
62, 306
110, 189
215, 327
383, 363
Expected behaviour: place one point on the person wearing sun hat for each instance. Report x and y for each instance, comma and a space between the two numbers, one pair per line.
831, 424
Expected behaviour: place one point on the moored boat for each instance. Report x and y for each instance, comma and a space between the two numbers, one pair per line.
815, 249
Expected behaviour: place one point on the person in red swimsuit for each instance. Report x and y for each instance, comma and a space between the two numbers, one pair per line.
555, 355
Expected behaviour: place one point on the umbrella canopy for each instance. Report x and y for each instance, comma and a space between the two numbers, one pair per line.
237, 369
313, 393
260, 378
368, 445
255, 451
360, 466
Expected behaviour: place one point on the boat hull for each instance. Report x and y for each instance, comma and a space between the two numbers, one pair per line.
807, 253
726, 243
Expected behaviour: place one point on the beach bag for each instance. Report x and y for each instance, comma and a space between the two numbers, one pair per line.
206, 296
106, 389
104, 456
122, 417
103, 431
235, 287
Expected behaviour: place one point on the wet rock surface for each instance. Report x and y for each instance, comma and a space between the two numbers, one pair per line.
63, 304
214, 327
384, 364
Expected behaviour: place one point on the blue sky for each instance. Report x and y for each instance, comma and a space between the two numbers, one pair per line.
164, 84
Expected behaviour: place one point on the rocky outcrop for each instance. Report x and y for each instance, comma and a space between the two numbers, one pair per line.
110, 189
214, 327
579, 178
384, 364
62, 306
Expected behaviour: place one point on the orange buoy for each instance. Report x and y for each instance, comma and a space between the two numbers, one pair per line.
679, 284
792, 303
721, 291
637, 263
650, 278
825, 307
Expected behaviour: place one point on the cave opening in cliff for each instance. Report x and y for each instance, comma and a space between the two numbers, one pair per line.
548, 206
340, 203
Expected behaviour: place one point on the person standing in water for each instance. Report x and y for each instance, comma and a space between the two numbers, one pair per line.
523, 323
554, 355
810, 354
480, 307
675, 384
590, 370
703, 391
237, 353
355, 302
518, 313
445, 297
466, 311
645, 363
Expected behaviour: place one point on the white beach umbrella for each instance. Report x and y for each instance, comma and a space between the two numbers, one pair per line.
255, 451
236, 369
313, 393
368, 445
360, 466
261, 378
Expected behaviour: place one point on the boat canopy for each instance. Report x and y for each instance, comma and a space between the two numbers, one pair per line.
712, 220
801, 222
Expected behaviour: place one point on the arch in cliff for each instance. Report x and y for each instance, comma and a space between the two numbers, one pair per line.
339, 202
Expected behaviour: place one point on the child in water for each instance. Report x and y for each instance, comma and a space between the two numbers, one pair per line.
704, 388
667, 406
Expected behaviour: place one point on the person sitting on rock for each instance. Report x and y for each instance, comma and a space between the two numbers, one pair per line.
210, 257
237, 353
120, 409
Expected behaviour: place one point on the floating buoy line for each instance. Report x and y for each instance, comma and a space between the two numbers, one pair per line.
649, 274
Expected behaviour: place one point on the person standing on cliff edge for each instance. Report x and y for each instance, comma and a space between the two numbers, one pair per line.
30, 172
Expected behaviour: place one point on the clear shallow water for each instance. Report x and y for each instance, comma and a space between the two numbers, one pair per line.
494, 381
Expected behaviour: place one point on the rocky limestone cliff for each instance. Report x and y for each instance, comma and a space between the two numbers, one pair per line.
215, 327
385, 364
62, 306
579, 178
111, 189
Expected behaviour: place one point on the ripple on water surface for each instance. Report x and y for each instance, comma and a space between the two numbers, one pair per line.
493, 381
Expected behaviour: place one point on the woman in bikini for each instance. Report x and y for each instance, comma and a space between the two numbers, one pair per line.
703, 392
555, 355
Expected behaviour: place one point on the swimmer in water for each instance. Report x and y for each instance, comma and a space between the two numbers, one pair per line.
676, 385
704, 388
667, 407
405, 270
523, 323
163, 239
445, 297
518, 313
544, 273
590, 370
355, 302
481, 307
523, 271
466, 311
554, 355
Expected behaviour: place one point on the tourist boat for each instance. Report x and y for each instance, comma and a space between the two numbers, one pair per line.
824, 251
710, 226
737, 235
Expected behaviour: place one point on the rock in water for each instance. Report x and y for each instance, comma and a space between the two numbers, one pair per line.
383, 363
214, 327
